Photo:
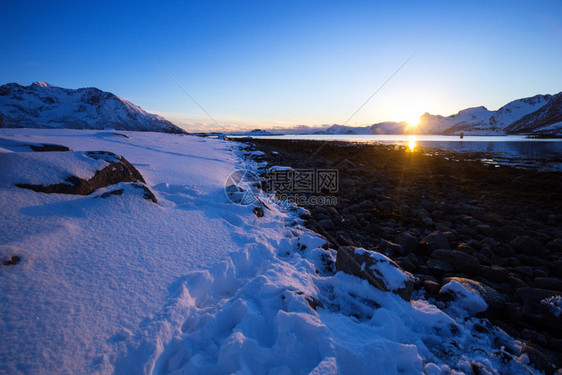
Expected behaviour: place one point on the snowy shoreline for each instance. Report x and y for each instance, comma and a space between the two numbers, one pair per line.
198, 284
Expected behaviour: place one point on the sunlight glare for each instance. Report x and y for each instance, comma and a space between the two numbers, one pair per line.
412, 142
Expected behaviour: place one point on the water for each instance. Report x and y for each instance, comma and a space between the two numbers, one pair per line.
544, 154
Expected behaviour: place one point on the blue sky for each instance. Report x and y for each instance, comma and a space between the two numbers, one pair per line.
280, 63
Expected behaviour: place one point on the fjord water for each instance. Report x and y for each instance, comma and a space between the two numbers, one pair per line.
510, 149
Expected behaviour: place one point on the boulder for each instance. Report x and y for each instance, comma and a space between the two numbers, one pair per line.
527, 245
461, 262
493, 298
550, 283
437, 240
408, 242
495, 274
538, 311
555, 245
439, 268
117, 170
379, 270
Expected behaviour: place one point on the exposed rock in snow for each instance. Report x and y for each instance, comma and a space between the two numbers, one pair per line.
78, 173
41, 105
378, 269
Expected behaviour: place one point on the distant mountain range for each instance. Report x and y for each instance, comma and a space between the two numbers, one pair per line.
538, 114
41, 105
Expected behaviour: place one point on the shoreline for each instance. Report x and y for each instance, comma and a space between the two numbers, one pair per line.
444, 215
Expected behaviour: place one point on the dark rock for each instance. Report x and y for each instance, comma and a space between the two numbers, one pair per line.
494, 274
326, 225
540, 271
118, 170
555, 245
524, 270
538, 358
439, 268
393, 247
461, 262
313, 302
534, 336
484, 229
437, 240
483, 259
385, 206
147, 194
432, 287
258, 211
527, 245
112, 192
48, 147
408, 242
15, 259
538, 313
549, 283
405, 264
374, 267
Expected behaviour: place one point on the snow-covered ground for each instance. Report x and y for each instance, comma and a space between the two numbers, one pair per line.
198, 285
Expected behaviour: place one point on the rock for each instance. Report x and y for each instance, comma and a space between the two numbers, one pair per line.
45, 147
493, 298
461, 262
484, 229
118, 170
377, 269
538, 358
405, 264
108, 194
494, 274
393, 247
534, 336
483, 259
439, 268
15, 259
537, 312
258, 211
326, 225
527, 245
408, 242
555, 245
386, 206
437, 240
432, 287
524, 270
549, 283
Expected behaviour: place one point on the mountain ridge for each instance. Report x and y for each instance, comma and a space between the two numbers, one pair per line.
535, 114
42, 105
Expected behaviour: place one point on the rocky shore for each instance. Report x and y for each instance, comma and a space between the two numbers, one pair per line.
443, 216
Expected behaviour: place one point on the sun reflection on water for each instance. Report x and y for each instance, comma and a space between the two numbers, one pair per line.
412, 142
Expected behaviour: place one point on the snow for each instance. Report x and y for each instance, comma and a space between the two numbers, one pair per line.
42, 105
465, 298
393, 277
554, 305
46, 168
198, 285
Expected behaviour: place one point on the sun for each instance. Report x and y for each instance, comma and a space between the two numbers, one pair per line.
413, 121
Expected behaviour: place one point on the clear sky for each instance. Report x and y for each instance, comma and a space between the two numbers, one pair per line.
267, 63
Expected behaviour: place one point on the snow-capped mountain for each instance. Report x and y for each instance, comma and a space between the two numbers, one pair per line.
483, 121
547, 119
537, 114
41, 105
